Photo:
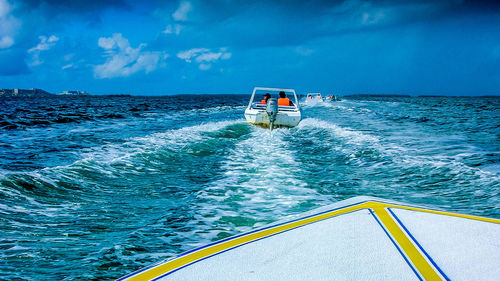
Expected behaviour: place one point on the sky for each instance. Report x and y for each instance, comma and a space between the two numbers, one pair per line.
413, 47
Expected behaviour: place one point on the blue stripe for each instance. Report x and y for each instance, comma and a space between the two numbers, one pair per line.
396, 245
267, 227
416, 242
295, 220
237, 246
237, 236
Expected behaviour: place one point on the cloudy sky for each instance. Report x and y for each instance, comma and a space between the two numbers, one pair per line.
222, 46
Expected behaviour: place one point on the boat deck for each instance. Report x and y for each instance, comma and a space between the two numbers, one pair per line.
362, 238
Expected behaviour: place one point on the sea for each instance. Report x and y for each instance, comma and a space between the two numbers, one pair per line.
95, 187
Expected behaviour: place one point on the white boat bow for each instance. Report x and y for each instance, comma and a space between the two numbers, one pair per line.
362, 238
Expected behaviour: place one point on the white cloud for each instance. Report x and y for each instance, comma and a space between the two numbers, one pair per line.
123, 60
69, 57
359, 14
52, 38
181, 14
109, 43
204, 57
188, 54
171, 29
204, 66
9, 25
303, 51
67, 66
212, 56
208, 57
373, 17
5, 8
45, 44
6, 41
168, 29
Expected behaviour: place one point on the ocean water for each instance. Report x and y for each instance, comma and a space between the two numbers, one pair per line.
92, 188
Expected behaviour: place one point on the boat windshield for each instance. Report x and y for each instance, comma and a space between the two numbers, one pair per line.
261, 95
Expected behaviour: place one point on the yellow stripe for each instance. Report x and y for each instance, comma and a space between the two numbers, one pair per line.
492, 220
205, 252
379, 208
421, 264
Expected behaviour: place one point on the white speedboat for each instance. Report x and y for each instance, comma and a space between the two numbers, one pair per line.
332, 98
362, 238
271, 114
314, 98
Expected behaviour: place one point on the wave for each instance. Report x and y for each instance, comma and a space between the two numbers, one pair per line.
381, 160
147, 188
45, 116
130, 158
261, 180
351, 136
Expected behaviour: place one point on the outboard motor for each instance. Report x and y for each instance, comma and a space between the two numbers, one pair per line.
272, 111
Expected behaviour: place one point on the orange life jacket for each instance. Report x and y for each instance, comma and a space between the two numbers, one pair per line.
284, 101
263, 102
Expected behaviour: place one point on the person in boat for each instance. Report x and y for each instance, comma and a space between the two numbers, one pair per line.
266, 97
283, 100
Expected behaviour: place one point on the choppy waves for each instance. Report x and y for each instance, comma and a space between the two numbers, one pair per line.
100, 198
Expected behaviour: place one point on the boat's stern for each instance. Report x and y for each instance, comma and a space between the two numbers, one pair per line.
285, 116
256, 116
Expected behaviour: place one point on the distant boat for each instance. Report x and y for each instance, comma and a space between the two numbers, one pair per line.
271, 114
362, 238
333, 98
314, 98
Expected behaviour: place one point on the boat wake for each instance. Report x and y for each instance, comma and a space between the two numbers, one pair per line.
261, 180
120, 193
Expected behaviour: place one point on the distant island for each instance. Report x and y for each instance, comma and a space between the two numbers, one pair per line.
73, 93
33, 92
24, 93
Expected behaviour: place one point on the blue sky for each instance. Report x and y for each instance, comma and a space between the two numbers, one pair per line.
219, 46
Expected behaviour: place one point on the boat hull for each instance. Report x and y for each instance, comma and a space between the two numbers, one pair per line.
283, 118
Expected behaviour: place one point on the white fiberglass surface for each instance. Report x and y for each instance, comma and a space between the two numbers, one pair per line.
348, 247
463, 249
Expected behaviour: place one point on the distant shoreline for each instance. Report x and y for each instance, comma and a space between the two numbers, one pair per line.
34, 93
418, 96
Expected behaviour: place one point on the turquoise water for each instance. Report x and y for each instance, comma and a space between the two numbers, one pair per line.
96, 187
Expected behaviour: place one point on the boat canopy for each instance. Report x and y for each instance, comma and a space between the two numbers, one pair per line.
276, 91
